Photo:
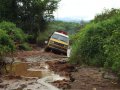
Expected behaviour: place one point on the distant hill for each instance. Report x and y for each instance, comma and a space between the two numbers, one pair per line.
70, 19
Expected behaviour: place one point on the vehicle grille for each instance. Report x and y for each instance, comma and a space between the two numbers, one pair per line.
59, 44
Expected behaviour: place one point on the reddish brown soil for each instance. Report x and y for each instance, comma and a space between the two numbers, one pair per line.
62, 84
63, 69
37, 52
59, 66
89, 78
85, 78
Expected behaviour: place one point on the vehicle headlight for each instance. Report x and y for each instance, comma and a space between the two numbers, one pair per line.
51, 42
65, 46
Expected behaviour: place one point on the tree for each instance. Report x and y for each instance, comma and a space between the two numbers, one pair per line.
30, 15
106, 14
8, 10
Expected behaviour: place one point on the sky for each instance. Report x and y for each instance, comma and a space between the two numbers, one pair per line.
83, 9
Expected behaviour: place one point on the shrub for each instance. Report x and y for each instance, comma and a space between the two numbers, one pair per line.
42, 37
89, 46
25, 46
98, 44
15, 33
31, 39
6, 43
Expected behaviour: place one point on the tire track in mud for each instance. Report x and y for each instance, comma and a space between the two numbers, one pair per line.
85, 78
26, 66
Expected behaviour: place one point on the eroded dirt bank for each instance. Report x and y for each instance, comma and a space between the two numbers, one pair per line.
84, 77
38, 70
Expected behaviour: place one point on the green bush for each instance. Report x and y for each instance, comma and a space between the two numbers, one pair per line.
89, 46
98, 44
31, 39
42, 37
25, 46
6, 43
15, 33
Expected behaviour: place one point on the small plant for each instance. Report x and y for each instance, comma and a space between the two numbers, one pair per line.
25, 46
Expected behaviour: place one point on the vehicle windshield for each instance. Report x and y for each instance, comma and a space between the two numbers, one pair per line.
60, 37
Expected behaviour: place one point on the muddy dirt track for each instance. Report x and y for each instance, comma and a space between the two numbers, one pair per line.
39, 70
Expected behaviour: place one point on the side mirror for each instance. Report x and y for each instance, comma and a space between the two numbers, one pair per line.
46, 42
68, 52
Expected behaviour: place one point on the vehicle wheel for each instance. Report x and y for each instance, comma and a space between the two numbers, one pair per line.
65, 54
47, 49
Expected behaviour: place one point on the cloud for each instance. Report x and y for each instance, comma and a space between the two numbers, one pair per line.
84, 9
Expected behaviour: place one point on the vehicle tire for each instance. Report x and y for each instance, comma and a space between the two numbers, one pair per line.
47, 49
64, 53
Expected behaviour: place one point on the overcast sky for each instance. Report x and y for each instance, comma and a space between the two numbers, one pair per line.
83, 9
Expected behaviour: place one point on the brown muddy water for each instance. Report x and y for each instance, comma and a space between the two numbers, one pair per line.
31, 70
34, 76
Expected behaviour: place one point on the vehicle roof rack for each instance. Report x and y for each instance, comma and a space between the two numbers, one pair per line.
63, 32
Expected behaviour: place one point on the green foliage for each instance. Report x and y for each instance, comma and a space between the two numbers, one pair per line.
25, 46
8, 10
107, 14
112, 51
98, 43
6, 44
15, 33
30, 15
42, 37
70, 27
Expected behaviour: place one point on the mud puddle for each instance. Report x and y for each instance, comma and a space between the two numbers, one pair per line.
31, 72
30, 76
38, 70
